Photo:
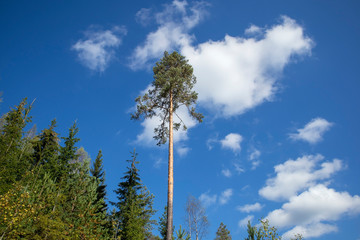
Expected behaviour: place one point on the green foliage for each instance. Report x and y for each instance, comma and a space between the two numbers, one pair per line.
13, 147
223, 233
46, 190
99, 174
46, 150
163, 223
173, 82
297, 236
68, 153
182, 235
134, 205
265, 232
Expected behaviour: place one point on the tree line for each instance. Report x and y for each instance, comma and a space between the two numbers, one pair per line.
50, 190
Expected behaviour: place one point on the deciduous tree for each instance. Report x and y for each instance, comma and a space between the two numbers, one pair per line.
197, 220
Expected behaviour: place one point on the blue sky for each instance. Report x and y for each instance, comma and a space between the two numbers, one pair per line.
278, 85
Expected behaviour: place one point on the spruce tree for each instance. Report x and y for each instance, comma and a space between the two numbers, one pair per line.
163, 224
223, 233
13, 147
171, 88
99, 174
46, 150
134, 205
68, 153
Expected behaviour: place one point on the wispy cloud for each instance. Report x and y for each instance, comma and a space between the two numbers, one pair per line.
250, 207
226, 172
313, 131
97, 48
207, 199
254, 157
143, 16
243, 222
294, 176
225, 196
182, 151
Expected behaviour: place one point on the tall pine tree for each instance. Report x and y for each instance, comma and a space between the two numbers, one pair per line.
171, 88
134, 205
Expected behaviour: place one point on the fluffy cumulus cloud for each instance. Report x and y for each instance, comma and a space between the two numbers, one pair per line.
250, 207
313, 131
312, 210
232, 141
174, 24
225, 196
97, 48
236, 74
233, 74
294, 176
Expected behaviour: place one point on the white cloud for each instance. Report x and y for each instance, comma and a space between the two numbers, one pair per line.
158, 162
232, 141
254, 158
182, 151
253, 29
226, 172
243, 222
237, 74
207, 199
210, 142
97, 49
296, 175
312, 208
147, 136
310, 231
238, 168
313, 131
250, 207
175, 22
225, 196
143, 16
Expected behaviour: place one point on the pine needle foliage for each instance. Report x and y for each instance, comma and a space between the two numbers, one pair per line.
223, 233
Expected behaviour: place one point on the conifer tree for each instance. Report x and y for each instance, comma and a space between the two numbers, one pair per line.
223, 233
13, 148
46, 150
99, 174
68, 153
163, 225
134, 205
171, 88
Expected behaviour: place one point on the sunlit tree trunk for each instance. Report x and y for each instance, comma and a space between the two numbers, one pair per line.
170, 174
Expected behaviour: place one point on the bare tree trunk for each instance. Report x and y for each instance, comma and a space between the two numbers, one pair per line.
170, 174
